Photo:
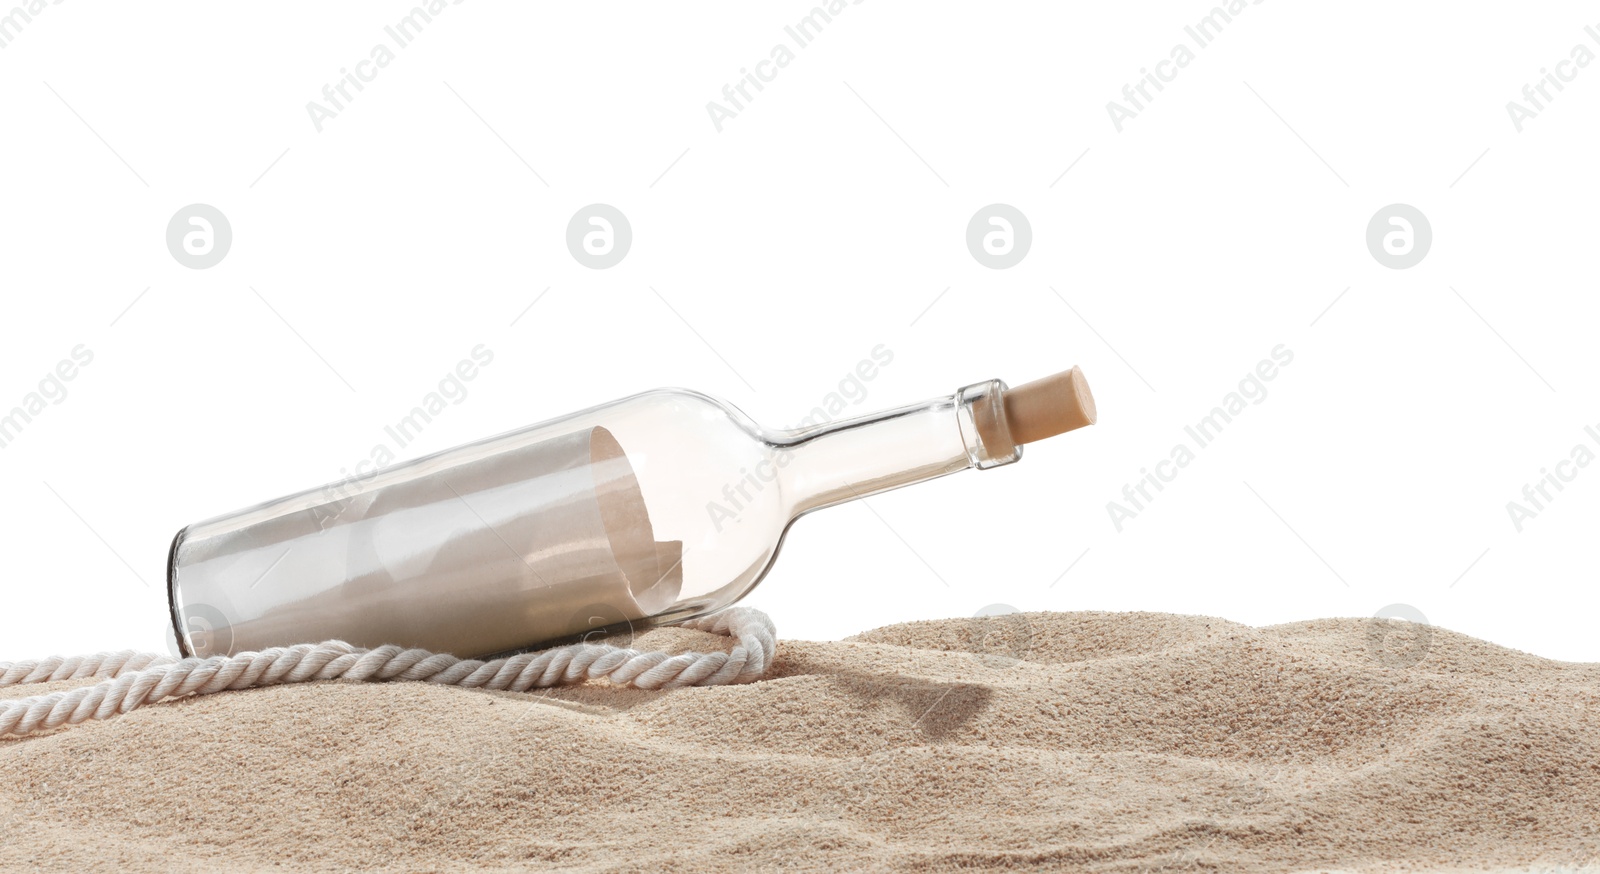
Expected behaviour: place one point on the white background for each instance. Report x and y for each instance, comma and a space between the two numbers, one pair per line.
820, 222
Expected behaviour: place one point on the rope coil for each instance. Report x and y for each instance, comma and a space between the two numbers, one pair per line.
137, 679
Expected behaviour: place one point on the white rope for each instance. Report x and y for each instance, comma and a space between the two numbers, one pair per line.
139, 678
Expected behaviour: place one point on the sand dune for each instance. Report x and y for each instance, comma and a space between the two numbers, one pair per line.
1070, 741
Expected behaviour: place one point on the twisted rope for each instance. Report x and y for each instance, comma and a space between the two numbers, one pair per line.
146, 678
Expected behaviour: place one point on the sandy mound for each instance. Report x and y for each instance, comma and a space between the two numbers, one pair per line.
1073, 741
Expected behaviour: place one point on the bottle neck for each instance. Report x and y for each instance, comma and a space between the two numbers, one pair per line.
840, 461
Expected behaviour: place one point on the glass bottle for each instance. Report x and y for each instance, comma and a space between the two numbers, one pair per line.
656, 508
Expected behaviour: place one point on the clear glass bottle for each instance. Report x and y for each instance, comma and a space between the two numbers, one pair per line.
655, 508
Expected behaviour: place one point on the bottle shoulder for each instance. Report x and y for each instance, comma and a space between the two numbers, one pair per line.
688, 399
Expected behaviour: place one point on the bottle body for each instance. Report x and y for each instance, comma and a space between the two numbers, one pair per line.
658, 507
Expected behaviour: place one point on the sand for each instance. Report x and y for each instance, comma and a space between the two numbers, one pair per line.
1067, 741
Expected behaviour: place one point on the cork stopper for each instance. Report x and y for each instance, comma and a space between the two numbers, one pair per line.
1049, 406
